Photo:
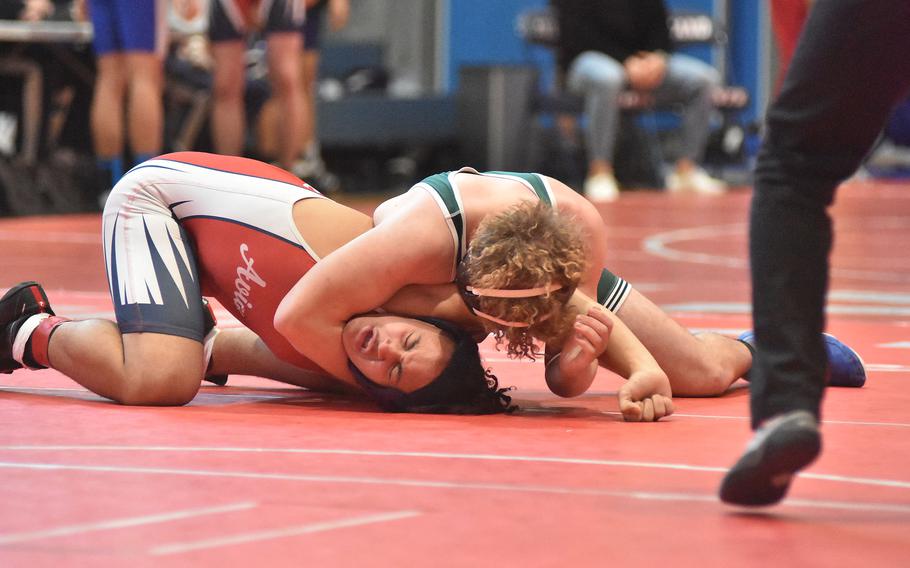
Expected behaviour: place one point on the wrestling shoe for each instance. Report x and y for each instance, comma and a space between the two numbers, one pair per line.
20, 302
210, 322
781, 447
845, 366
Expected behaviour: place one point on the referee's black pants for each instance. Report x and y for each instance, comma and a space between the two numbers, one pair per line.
852, 66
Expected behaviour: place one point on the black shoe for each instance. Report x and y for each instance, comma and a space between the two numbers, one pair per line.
210, 322
18, 304
780, 448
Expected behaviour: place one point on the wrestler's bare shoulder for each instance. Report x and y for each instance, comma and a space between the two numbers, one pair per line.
498, 193
416, 203
327, 225
483, 196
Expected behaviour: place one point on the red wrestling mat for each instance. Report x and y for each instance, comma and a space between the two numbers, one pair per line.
266, 475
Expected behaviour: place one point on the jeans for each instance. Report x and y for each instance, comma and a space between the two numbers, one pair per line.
599, 79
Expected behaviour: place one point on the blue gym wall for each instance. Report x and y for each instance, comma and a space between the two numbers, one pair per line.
482, 32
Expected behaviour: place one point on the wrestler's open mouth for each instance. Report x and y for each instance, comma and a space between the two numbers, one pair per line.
366, 340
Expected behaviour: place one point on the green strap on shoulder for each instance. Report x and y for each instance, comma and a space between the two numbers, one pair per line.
442, 187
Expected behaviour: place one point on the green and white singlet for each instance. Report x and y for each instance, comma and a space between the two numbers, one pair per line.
612, 290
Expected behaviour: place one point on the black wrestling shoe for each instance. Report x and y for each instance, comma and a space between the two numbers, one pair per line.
210, 322
781, 447
18, 304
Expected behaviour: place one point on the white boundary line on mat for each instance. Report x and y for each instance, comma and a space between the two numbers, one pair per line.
395, 454
498, 487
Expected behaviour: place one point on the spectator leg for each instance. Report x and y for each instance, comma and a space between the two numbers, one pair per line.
145, 116
599, 79
107, 119
309, 67
228, 118
690, 81
32, 93
284, 49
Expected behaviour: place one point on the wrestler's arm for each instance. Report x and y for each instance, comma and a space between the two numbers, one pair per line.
646, 396
411, 246
434, 300
598, 337
572, 375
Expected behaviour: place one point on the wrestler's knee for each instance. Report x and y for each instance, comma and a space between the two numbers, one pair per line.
160, 370
154, 387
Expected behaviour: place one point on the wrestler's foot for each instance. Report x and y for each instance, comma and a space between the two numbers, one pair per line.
845, 366
16, 306
210, 322
781, 447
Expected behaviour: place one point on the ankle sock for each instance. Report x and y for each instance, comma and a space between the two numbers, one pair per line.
31, 344
208, 345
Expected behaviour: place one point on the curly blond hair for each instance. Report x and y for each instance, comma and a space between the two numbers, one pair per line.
529, 245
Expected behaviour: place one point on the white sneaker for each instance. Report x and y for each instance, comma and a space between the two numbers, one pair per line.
307, 167
601, 188
697, 181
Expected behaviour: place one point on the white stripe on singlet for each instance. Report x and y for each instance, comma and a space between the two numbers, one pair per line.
149, 198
